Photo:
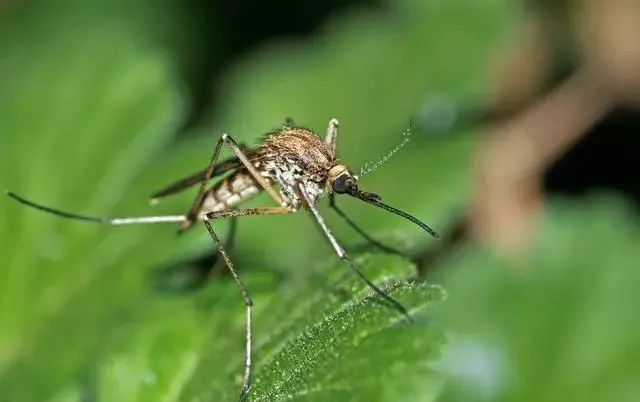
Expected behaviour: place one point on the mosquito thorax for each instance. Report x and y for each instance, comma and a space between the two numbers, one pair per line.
295, 156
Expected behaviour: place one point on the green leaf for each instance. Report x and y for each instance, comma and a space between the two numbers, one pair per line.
305, 346
316, 340
560, 324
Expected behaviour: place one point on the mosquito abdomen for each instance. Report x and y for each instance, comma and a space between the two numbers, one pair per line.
231, 191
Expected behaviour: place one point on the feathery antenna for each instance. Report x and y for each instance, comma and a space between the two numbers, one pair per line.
370, 167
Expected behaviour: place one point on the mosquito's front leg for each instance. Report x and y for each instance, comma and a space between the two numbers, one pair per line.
342, 254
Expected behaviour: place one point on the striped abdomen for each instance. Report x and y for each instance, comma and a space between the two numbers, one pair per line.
230, 192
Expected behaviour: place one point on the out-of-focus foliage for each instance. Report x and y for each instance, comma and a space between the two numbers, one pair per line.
559, 325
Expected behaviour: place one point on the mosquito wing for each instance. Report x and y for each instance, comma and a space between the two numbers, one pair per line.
196, 178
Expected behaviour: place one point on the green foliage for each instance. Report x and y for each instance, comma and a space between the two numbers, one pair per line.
558, 325
330, 338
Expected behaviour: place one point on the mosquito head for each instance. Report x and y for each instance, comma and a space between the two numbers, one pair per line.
344, 182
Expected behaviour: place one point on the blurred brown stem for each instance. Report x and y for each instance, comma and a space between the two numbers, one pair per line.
509, 166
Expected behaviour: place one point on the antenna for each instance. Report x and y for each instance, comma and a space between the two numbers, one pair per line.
370, 167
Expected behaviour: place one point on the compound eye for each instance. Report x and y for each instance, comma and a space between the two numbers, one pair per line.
342, 183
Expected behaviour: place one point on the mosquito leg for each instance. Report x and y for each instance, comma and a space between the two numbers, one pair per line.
196, 178
254, 173
107, 221
350, 222
233, 213
332, 134
197, 202
247, 302
342, 254
246, 212
229, 244
237, 150
209, 172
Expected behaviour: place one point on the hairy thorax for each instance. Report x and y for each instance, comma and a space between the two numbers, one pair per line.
295, 156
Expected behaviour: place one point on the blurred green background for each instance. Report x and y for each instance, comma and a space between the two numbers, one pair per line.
101, 103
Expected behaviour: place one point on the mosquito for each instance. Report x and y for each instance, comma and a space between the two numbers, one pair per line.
296, 168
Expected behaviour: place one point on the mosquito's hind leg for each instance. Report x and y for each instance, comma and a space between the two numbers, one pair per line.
197, 202
248, 302
252, 170
196, 178
229, 244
